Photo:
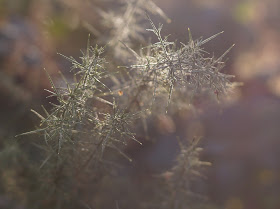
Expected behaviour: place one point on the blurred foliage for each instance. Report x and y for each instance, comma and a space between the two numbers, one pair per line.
8, 7
58, 28
244, 12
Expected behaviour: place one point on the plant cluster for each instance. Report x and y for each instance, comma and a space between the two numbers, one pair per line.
166, 68
97, 114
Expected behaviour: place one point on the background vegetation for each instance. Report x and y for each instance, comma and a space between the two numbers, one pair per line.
240, 135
